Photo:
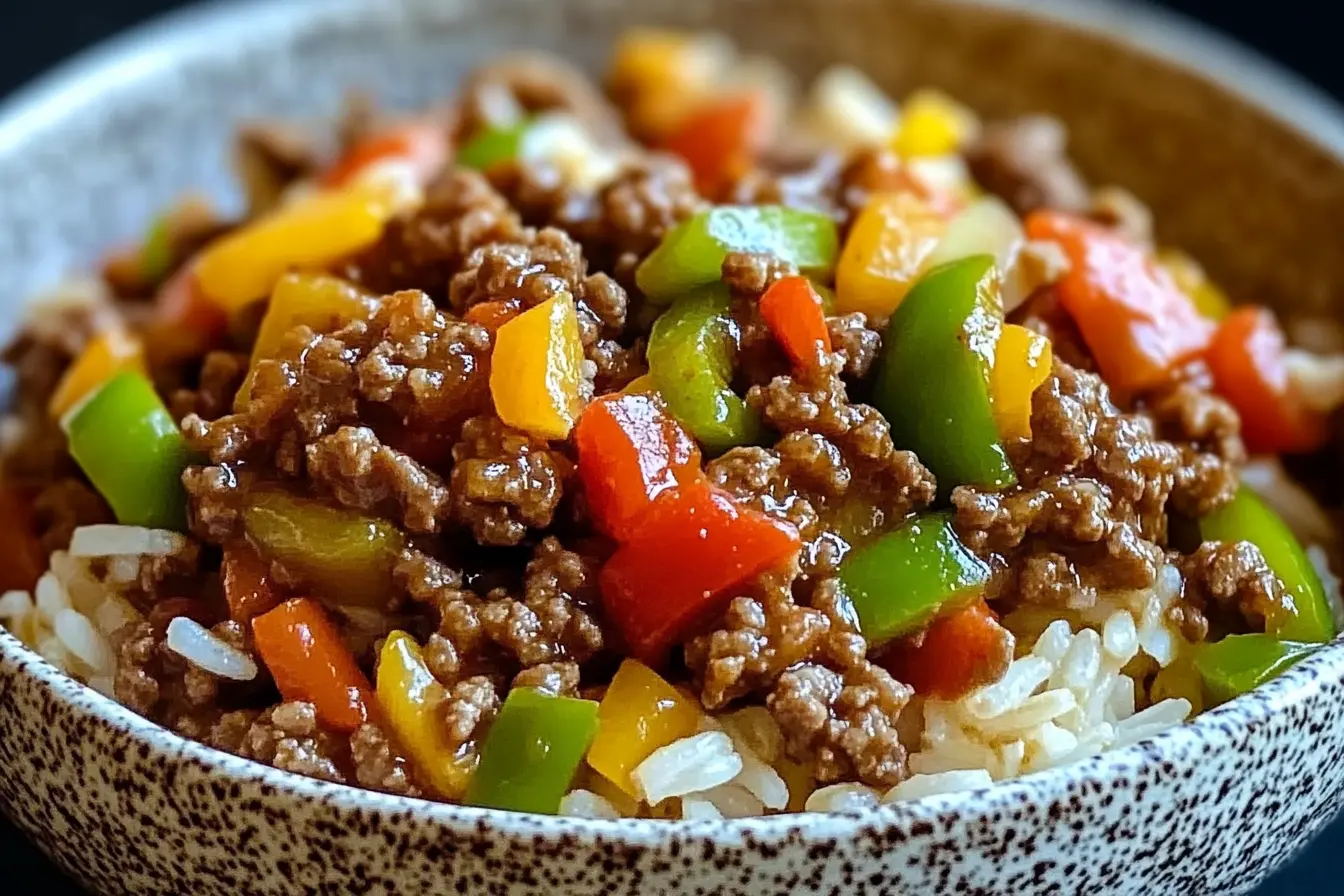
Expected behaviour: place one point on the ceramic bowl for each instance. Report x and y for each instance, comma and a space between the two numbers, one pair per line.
1242, 165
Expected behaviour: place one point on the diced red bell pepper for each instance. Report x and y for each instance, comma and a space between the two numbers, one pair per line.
720, 139
493, 315
956, 654
185, 321
421, 145
630, 451
677, 570
792, 310
310, 662
23, 559
1247, 362
247, 583
1138, 325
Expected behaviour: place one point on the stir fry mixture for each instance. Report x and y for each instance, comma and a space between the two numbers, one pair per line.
686, 447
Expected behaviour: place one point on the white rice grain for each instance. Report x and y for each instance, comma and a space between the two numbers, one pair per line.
114, 541
732, 801
1119, 637
80, 637
755, 728
1010, 756
1171, 711
689, 765
761, 780
1120, 699
693, 809
198, 645
113, 614
15, 605
1078, 670
586, 804
1031, 712
1054, 641
50, 597
847, 798
917, 786
1023, 677
1047, 743
54, 651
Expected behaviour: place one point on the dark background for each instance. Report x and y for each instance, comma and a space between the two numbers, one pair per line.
1298, 33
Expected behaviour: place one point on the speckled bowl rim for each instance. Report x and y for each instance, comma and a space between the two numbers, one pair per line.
1167, 36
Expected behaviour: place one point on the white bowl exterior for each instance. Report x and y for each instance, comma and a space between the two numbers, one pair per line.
127, 807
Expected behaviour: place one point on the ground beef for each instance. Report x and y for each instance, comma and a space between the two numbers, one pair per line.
221, 375
289, 737
160, 684
214, 501
1042, 312
504, 481
268, 157
1231, 583
856, 341
63, 506
377, 764
560, 679
1207, 432
1024, 161
517, 84
466, 713
360, 472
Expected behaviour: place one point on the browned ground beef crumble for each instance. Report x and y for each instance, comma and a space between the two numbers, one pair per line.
499, 575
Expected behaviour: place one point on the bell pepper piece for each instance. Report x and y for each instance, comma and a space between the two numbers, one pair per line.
801, 781
342, 556
420, 146
888, 248
156, 252
1137, 324
1179, 680
311, 663
959, 652
690, 353
129, 446
1249, 370
1240, 663
933, 379
720, 139
532, 752
25, 561
985, 227
639, 714
692, 254
493, 146
1249, 518
411, 698
793, 312
1191, 279
535, 369
185, 322
1022, 361
630, 451
493, 315
933, 124
319, 301
247, 583
677, 570
311, 233
109, 353
641, 385
900, 581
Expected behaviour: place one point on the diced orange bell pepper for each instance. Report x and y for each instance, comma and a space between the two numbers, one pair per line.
720, 139
1137, 324
956, 654
886, 252
24, 560
247, 583
933, 124
658, 76
310, 662
677, 570
493, 315
1191, 279
422, 146
640, 713
185, 322
411, 698
1249, 370
535, 369
319, 301
1022, 362
793, 312
630, 451
106, 354
800, 780
308, 234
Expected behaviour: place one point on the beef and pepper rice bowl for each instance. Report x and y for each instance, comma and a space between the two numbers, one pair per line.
690, 445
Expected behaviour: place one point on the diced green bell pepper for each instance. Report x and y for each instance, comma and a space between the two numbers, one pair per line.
932, 383
343, 556
493, 145
1239, 663
156, 252
127, 443
692, 253
904, 578
690, 357
1248, 518
533, 749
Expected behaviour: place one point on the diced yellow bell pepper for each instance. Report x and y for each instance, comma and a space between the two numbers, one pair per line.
625, 804
933, 124
319, 301
535, 369
798, 778
887, 250
1191, 279
1179, 679
409, 696
641, 385
658, 76
1021, 363
309, 234
640, 713
107, 354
